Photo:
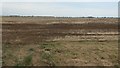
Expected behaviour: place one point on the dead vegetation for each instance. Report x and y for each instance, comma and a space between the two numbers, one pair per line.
35, 41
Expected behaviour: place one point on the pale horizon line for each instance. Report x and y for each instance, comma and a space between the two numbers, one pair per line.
57, 16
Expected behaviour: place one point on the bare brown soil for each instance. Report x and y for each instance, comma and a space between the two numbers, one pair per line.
33, 33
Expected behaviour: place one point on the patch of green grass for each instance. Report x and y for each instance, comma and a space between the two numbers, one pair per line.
48, 58
26, 61
47, 45
47, 55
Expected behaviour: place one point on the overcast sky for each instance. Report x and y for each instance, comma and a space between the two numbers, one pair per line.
59, 0
109, 9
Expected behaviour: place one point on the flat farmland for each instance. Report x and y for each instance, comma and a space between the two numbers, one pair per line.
59, 41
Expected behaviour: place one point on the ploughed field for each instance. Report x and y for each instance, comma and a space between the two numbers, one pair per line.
50, 41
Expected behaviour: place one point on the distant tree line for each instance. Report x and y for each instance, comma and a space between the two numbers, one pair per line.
57, 16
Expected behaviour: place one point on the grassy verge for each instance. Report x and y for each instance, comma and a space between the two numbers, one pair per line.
62, 54
26, 61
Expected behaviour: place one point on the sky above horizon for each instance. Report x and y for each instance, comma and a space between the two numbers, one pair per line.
74, 9
59, 0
